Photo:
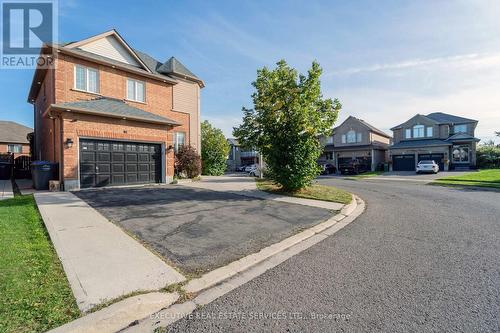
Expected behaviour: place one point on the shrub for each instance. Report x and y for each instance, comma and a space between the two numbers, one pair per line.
488, 157
187, 162
214, 150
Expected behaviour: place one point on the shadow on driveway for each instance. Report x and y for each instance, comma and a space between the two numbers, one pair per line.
198, 230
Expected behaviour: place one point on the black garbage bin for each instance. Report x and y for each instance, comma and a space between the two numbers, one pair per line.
5, 170
42, 172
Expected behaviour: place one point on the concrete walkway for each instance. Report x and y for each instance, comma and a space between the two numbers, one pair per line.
6, 189
100, 260
246, 186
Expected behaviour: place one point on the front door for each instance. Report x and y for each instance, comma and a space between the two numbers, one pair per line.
460, 154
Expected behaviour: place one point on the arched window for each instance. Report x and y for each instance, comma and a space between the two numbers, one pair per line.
351, 136
418, 131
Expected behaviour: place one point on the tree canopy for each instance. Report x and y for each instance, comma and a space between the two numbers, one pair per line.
214, 150
288, 116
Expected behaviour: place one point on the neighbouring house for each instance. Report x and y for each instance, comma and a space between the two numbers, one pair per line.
112, 115
447, 139
239, 156
355, 139
13, 139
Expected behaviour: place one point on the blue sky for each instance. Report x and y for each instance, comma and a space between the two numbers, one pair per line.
384, 60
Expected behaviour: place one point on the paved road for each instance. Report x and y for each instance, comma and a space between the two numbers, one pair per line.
421, 258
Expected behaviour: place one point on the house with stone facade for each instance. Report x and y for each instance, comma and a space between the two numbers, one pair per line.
112, 115
447, 139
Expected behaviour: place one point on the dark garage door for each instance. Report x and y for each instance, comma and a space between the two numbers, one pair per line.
104, 163
438, 158
403, 162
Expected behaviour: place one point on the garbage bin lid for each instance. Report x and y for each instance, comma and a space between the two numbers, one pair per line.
41, 162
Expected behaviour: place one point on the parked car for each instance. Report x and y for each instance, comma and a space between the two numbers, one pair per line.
427, 166
352, 167
327, 169
249, 168
240, 168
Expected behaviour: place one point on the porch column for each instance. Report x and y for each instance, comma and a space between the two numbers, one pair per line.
373, 160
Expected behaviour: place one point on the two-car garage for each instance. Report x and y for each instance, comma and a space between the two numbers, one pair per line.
406, 162
107, 163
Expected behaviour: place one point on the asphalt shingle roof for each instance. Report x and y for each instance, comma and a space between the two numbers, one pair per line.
420, 143
445, 118
13, 132
112, 107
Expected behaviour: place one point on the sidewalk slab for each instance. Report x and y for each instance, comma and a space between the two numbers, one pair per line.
101, 261
6, 189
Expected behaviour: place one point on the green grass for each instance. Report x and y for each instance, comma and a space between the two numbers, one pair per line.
483, 178
316, 191
366, 174
34, 293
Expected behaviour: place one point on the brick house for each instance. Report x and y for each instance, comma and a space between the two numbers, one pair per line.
111, 115
13, 139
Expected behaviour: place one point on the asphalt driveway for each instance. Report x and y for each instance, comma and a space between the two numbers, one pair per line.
198, 230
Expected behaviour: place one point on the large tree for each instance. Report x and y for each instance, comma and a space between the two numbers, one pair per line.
214, 150
288, 117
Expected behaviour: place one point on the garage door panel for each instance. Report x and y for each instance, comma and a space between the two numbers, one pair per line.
105, 162
87, 156
438, 158
118, 157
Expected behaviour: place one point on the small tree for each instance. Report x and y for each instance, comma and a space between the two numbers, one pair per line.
214, 150
288, 117
188, 162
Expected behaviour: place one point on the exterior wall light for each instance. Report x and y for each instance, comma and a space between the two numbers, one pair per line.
68, 143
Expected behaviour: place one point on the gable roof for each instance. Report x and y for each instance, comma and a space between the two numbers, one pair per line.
439, 118
367, 125
420, 116
111, 33
445, 118
114, 108
13, 132
233, 141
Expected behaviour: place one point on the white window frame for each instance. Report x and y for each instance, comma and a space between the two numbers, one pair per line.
329, 140
134, 98
429, 131
344, 138
351, 136
418, 131
87, 82
359, 137
11, 148
408, 133
176, 140
464, 126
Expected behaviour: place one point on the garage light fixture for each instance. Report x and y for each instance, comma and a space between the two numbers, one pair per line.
68, 143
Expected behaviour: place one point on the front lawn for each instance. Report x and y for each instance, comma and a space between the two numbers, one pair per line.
483, 178
34, 293
315, 191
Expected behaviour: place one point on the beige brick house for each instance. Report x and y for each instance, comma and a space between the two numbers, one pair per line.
111, 115
355, 139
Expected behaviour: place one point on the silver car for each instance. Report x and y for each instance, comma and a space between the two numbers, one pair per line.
427, 166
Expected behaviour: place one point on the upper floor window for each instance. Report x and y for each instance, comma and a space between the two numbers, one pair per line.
329, 140
179, 140
15, 148
429, 132
86, 79
135, 90
351, 136
358, 137
460, 128
343, 138
418, 131
408, 133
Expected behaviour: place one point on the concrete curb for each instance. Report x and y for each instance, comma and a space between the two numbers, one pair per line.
120, 315
220, 274
231, 277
